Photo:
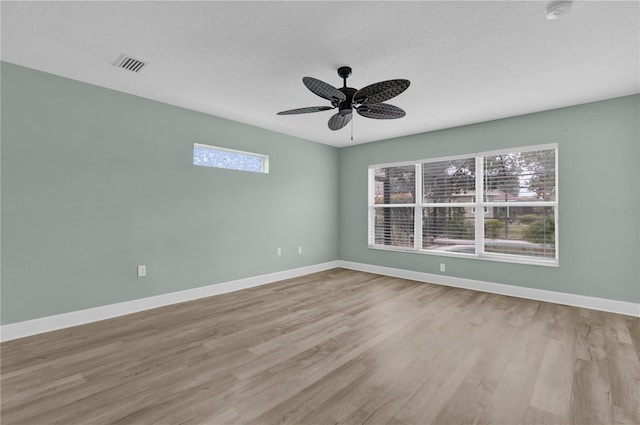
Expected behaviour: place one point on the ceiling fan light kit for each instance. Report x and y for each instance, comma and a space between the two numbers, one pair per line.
368, 101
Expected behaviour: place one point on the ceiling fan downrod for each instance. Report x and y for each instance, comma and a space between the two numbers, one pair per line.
346, 106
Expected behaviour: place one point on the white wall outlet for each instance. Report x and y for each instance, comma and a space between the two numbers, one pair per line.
442, 267
279, 251
142, 271
299, 250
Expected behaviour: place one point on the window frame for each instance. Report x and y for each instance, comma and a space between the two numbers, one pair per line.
478, 206
264, 169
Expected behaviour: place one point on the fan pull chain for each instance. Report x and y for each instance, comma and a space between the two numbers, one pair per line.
352, 129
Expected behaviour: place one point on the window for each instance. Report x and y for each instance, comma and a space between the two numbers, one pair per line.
394, 198
496, 205
212, 156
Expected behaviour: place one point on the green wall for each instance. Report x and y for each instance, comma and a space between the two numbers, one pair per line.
599, 157
95, 181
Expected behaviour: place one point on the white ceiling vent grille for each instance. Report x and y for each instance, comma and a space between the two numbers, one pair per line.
131, 64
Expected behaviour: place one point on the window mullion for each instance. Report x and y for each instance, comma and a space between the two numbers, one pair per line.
417, 223
479, 216
555, 209
371, 207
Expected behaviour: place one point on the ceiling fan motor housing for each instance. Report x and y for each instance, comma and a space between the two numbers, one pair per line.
346, 105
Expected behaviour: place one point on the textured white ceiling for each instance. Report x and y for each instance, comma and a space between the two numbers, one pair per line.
467, 61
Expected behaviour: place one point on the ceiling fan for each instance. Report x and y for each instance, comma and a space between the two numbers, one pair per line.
368, 101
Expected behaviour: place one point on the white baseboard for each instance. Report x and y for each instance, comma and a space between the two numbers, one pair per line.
81, 317
602, 304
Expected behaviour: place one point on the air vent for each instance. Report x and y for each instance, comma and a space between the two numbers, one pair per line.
131, 64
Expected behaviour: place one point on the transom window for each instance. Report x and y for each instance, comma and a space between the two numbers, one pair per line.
496, 205
213, 156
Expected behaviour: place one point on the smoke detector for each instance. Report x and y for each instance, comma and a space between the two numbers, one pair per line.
556, 9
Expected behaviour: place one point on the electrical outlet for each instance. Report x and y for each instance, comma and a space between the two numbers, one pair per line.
442, 267
299, 250
279, 251
142, 271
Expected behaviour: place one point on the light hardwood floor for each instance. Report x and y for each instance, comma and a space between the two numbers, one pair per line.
337, 347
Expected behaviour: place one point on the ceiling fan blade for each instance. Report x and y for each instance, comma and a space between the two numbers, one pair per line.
306, 110
323, 89
338, 121
381, 111
379, 92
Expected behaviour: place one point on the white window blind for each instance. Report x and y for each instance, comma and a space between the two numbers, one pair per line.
448, 190
520, 195
393, 210
498, 205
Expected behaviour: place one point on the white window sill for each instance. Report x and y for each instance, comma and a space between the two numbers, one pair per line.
488, 257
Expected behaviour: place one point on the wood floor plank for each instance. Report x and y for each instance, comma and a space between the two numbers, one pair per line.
625, 417
295, 408
590, 396
552, 391
624, 375
443, 375
534, 416
510, 399
469, 402
336, 347
590, 341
